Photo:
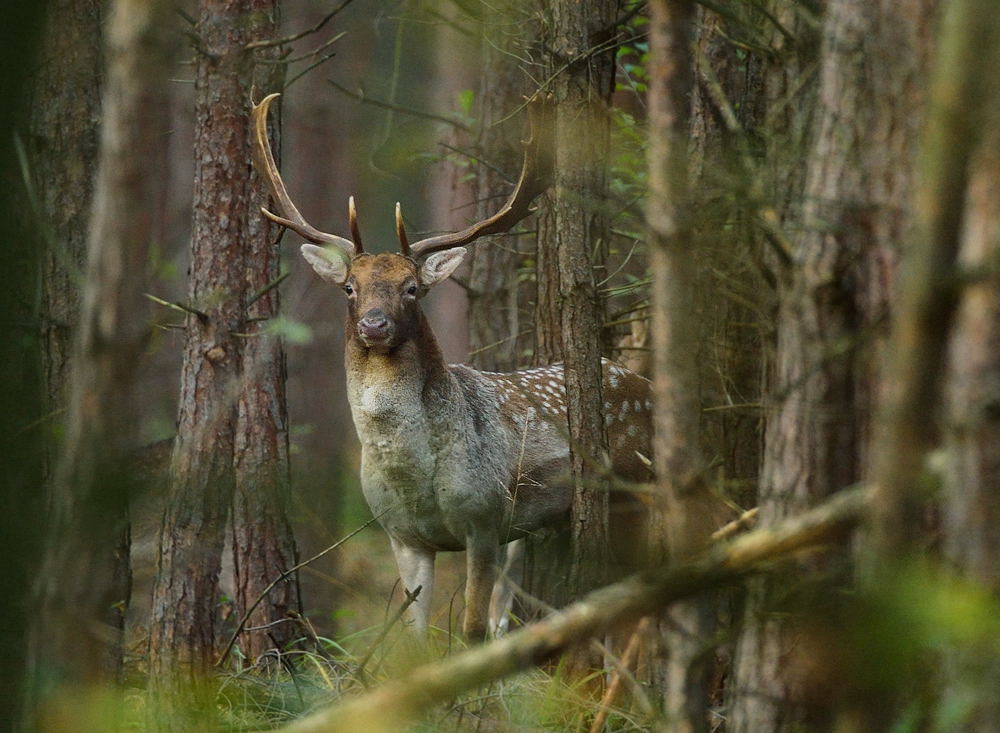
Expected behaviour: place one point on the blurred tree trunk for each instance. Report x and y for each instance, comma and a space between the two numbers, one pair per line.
833, 308
682, 519
63, 142
21, 382
232, 430
580, 42
494, 309
972, 503
81, 586
949, 285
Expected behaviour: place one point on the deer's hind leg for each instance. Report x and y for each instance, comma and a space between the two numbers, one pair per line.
502, 599
482, 551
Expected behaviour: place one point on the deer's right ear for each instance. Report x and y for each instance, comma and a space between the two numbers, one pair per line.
329, 264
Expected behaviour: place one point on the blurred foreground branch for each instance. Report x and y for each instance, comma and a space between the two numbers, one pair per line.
396, 703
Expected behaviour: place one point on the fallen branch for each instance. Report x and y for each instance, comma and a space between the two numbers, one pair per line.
396, 703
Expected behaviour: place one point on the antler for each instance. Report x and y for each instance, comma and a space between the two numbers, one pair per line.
404, 242
536, 173
265, 165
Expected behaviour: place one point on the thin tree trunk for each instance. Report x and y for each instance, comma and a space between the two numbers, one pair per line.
833, 306
972, 505
80, 594
683, 519
494, 309
217, 395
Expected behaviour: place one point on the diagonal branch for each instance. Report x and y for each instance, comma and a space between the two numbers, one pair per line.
394, 704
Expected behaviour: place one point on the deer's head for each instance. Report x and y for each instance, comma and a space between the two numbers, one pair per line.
383, 289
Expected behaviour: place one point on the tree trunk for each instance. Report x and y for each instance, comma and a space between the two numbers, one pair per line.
949, 284
80, 591
682, 518
833, 306
582, 36
230, 416
494, 306
972, 506
263, 543
63, 138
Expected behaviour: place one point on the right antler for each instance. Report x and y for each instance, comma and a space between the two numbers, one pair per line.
536, 172
265, 165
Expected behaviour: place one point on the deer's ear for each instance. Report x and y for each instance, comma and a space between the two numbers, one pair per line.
329, 264
440, 265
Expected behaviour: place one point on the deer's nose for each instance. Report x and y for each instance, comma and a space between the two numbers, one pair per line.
374, 324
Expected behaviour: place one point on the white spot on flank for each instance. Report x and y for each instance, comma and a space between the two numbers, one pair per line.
638, 406
613, 381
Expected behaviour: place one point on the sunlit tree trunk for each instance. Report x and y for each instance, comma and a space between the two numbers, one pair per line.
833, 305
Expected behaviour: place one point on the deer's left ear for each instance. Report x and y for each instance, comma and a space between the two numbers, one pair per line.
440, 265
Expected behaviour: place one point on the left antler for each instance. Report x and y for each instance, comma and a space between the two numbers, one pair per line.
265, 165
536, 172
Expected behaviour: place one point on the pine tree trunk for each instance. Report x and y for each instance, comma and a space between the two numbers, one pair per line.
572, 245
231, 425
263, 543
833, 307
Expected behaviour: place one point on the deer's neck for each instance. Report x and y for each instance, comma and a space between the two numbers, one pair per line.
387, 382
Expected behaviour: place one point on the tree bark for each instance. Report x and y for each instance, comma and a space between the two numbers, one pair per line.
230, 416
263, 543
682, 520
583, 38
833, 306
63, 137
80, 593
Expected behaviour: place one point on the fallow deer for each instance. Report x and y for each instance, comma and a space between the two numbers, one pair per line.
452, 458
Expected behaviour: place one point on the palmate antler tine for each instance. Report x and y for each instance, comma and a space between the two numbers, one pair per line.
404, 242
266, 167
536, 173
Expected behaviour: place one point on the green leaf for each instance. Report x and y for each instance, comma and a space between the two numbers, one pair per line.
466, 98
292, 331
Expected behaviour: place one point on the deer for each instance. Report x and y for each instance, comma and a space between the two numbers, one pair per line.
452, 458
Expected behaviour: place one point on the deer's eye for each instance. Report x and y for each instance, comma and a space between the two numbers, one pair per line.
348, 289
412, 290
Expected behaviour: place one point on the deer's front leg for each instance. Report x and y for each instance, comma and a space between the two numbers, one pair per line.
416, 570
481, 572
